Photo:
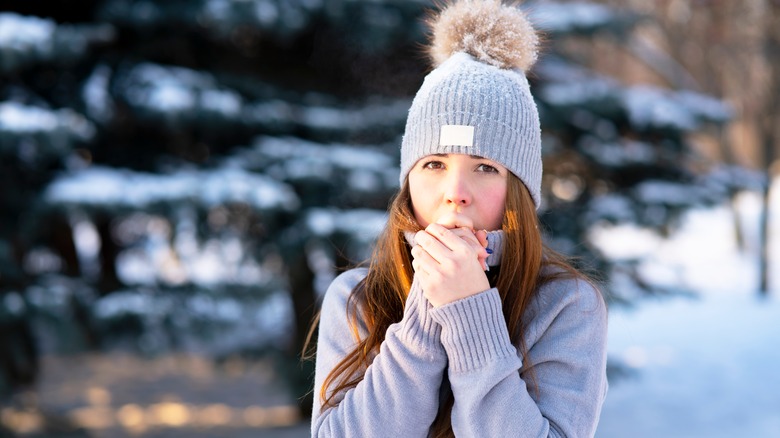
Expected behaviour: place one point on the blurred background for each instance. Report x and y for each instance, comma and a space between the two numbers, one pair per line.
180, 181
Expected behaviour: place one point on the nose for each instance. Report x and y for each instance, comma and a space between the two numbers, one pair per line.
458, 191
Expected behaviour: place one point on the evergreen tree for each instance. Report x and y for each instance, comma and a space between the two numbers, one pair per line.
185, 175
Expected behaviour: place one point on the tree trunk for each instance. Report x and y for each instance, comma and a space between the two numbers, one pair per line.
304, 301
727, 155
764, 241
109, 250
769, 130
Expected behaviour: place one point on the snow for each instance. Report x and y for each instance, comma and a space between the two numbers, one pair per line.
652, 108
235, 324
578, 92
168, 97
707, 106
611, 240
225, 102
626, 153
344, 156
703, 365
610, 207
699, 368
570, 17
366, 168
106, 186
22, 34
669, 193
165, 89
25, 119
364, 224
26, 40
95, 93
132, 302
216, 261
647, 107
178, 93
151, 259
731, 177
372, 115
560, 70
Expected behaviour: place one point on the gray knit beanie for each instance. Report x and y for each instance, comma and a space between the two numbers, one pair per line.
477, 100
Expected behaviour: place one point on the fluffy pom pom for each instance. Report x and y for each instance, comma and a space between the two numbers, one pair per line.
494, 33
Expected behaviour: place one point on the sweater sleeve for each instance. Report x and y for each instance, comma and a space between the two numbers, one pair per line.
399, 393
566, 341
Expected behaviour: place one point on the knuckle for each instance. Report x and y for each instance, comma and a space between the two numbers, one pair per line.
437, 229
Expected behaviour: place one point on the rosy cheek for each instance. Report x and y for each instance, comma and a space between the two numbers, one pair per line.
493, 205
421, 210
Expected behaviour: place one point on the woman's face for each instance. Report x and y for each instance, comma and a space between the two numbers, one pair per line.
458, 190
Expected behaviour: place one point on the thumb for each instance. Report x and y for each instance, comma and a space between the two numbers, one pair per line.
482, 238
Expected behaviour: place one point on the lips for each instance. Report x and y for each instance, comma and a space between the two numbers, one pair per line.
455, 220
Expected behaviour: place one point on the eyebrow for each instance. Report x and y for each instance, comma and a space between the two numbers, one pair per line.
476, 157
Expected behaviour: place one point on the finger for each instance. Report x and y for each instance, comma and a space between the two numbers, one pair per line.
445, 247
423, 260
471, 238
431, 246
466, 234
478, 240
446, 236
481, 236
417, 263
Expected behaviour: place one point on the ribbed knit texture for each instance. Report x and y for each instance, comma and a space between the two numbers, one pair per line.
496, 245
475, 332
417, 326
496, 102
399, 395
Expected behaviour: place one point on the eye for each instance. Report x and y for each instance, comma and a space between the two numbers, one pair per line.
433, 165
486, 168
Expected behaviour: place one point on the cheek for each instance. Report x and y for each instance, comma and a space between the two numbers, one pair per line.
420, 207
422, 211
493, 202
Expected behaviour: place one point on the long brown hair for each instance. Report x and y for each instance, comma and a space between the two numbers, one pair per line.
378, 300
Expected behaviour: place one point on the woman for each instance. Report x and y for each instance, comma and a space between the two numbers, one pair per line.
454, 329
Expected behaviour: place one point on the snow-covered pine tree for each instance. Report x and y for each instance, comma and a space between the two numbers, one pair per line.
186, 174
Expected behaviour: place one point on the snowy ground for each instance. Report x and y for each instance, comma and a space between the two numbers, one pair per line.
704, 366
701, 368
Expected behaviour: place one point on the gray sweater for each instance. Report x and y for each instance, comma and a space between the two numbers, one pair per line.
467, 343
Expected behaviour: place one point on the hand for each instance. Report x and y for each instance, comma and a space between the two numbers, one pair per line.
450, 263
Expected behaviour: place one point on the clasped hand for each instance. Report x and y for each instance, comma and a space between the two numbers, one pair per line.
450, 263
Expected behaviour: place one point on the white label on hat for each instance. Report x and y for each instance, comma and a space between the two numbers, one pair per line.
456, 135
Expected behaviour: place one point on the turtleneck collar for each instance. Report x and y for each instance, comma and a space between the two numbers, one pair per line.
495, 243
